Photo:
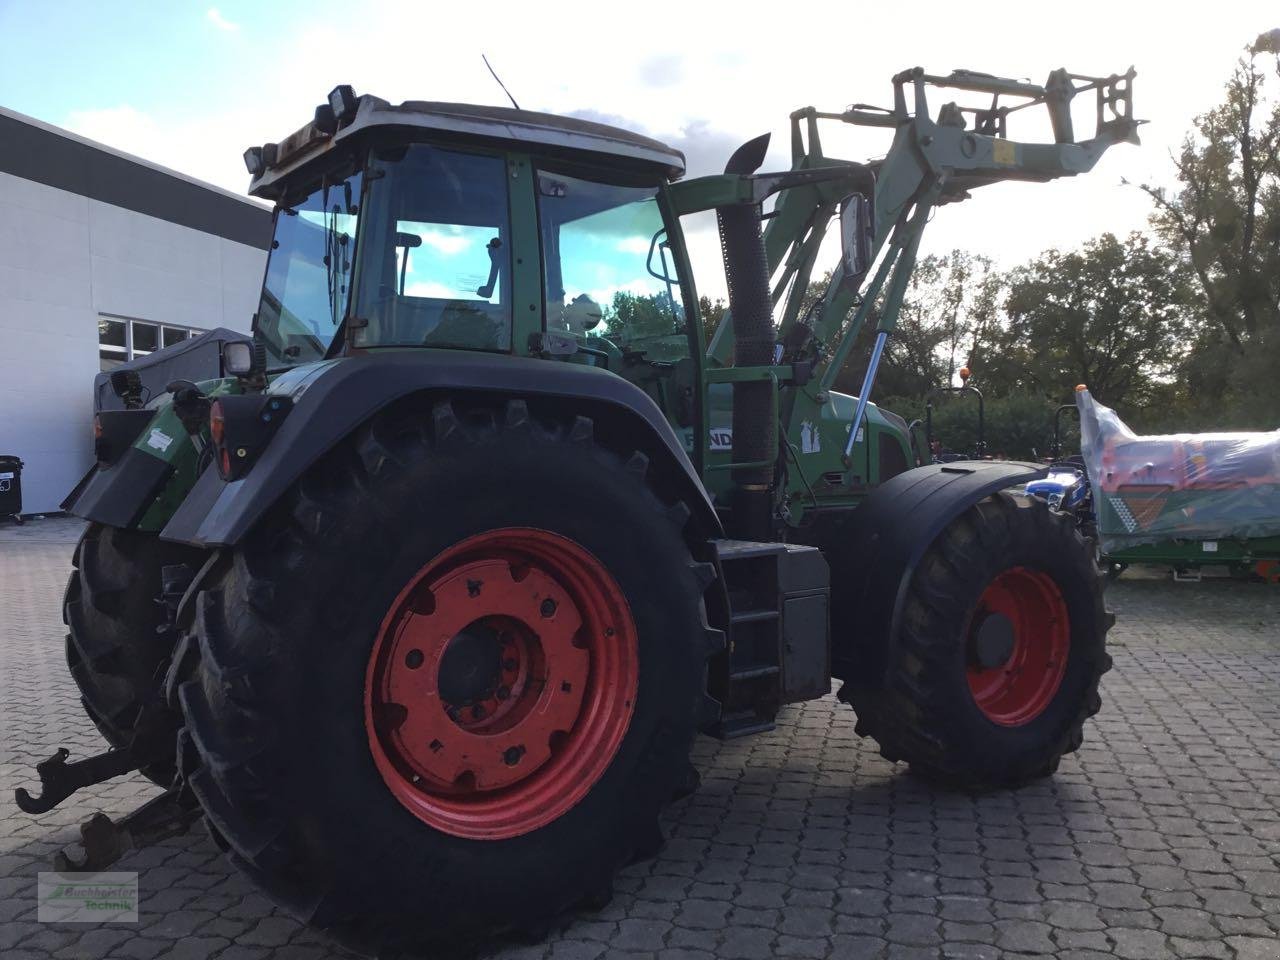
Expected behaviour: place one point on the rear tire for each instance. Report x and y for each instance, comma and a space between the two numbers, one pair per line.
996, 705
118, 643
290, 637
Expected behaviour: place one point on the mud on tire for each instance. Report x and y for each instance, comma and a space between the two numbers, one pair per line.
275, 744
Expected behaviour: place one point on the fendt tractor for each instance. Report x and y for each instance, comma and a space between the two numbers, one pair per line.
421, 607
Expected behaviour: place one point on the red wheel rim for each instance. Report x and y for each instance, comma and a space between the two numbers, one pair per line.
1019, 638
501, 684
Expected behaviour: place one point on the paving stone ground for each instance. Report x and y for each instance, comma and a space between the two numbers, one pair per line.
1160, 838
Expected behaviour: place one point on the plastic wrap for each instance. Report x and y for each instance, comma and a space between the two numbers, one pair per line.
1184, 486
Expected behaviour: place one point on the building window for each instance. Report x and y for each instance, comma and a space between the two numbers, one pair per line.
121, 339
113, 342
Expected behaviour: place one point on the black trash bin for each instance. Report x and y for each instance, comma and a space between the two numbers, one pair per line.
10, 487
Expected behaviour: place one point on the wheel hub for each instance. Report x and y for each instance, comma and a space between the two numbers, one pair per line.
502, 683
471, 668
1019, 641
992, 640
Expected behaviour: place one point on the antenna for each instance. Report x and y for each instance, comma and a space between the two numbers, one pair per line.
500, 83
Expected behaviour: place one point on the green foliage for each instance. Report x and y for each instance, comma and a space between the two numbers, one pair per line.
951, 301
712, 312
1223, 222
1018, 426
1113, 315
1224, 217
633, 316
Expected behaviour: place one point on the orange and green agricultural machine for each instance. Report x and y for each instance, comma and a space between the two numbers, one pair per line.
1184, 500
421, 607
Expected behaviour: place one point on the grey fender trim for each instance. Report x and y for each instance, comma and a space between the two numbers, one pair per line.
337, 396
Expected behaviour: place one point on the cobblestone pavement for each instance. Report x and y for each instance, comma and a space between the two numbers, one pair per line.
1161, 838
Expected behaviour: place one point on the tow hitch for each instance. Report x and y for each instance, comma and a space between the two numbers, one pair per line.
59, 779
105, 840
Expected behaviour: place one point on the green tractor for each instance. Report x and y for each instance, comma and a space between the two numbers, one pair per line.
422, 606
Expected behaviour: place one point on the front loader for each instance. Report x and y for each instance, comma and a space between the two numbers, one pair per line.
442, 581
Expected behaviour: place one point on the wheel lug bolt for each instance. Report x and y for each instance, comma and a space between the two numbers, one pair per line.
511, 756
413, 659
477, 712
548, 607
504, 692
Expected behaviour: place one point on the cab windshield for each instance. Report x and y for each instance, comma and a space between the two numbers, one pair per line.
304, 296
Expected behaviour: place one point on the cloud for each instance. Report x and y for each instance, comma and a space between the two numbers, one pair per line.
118, 126
664, 70
446, 244
705, 148
639, 245
214, 16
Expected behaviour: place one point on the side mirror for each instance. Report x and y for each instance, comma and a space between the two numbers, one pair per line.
855, 237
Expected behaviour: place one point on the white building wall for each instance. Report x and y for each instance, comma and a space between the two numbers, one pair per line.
65, 259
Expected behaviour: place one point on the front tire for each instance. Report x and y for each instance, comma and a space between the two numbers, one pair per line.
996, 662
343, 755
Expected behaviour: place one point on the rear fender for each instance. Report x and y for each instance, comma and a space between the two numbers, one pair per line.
876, 551
138, 485
333, 398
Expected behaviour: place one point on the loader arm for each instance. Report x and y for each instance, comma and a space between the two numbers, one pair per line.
931, 161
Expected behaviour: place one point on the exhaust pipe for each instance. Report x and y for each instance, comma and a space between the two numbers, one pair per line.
755, 430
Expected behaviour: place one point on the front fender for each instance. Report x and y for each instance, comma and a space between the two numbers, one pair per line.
877, 550
331, 399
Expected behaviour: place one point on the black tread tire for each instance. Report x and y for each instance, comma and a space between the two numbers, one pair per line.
923, 713
275, 746
117, 646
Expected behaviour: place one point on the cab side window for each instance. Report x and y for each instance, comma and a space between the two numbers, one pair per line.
442, 251
609, 274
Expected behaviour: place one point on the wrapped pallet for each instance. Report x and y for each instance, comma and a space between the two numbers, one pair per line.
1183, 486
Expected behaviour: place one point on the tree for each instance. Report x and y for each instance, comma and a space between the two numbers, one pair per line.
712, 312
1112, 315
950, 301
638, 316
1224, 217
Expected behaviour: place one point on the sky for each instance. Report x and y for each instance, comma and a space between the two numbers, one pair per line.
191, 85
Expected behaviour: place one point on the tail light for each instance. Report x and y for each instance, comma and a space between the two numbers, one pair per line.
240, 427
217, 422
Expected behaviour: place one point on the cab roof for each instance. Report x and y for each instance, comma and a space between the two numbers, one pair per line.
566, 137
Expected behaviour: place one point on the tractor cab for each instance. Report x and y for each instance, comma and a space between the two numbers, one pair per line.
459, 227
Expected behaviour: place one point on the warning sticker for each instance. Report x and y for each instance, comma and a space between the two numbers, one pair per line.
810, 439
159, 440
1002, 151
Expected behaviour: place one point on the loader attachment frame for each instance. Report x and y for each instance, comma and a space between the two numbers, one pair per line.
935, 159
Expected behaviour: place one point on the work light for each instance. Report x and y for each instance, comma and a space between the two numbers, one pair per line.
253, 161
237, 357
342, 100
